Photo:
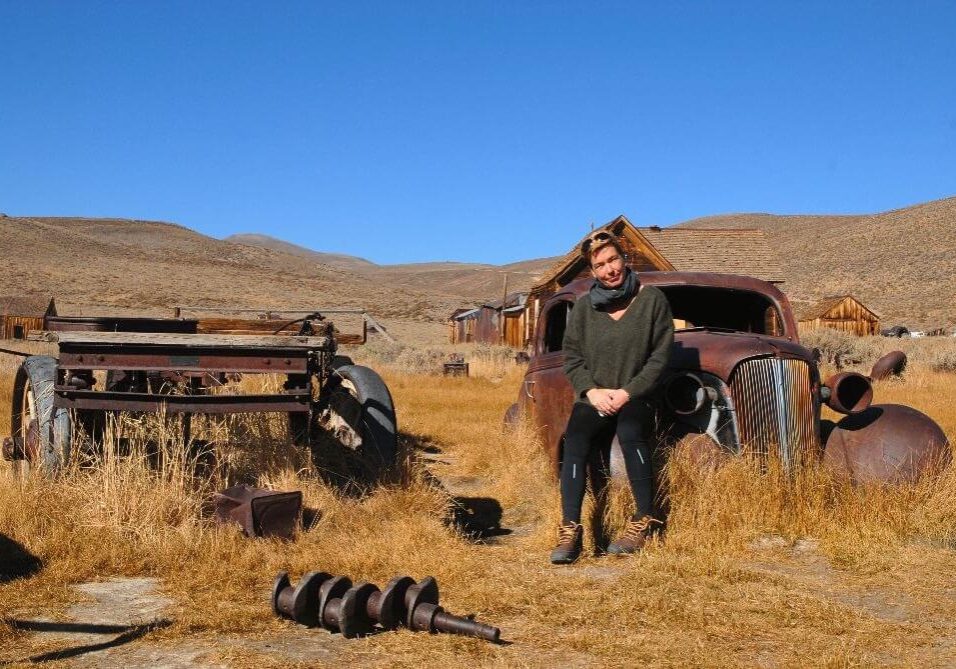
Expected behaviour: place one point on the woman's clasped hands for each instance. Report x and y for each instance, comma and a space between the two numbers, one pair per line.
607, 401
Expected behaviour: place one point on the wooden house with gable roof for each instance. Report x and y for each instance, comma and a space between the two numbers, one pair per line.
20, 315
840, 312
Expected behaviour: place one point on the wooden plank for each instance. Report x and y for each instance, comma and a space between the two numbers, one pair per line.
187, 340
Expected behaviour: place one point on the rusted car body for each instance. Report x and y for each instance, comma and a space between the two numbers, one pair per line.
737, 374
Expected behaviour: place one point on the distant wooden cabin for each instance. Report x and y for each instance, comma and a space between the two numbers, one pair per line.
21, 315
498, 322
841, 312
462, 325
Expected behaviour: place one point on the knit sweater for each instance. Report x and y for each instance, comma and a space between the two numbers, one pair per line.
630, 353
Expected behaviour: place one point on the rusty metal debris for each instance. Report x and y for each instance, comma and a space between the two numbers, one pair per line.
456, 365
886, 443
260, 513
10, 449
891, 364
850, 392
334, 603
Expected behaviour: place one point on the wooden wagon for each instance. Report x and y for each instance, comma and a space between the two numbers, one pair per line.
166, 365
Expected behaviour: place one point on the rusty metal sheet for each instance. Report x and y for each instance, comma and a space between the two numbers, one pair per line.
118, 324
186, 360
291, 401
260, 513
718, 353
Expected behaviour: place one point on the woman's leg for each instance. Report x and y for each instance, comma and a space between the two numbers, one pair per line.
634, 422
584, 427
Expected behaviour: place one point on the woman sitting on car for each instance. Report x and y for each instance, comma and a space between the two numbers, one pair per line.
617, 344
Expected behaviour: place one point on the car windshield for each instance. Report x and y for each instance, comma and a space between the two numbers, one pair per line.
723, 308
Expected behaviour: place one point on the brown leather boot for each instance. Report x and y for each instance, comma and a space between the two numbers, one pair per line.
634, 536
570, 541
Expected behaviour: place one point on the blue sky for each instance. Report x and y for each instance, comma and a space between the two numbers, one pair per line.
472, 131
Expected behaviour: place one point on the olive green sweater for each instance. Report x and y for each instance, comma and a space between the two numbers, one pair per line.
630, 353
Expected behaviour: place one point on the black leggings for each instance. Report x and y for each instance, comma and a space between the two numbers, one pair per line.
589, 433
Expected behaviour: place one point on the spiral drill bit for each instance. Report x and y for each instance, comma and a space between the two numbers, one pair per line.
335, 604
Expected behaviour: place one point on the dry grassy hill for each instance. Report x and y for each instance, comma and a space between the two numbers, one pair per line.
339, 260
901, 263
114, 265
463, 281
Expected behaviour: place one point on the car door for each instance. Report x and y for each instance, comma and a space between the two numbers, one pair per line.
546, 393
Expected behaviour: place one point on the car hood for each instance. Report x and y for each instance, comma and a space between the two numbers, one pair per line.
719, 352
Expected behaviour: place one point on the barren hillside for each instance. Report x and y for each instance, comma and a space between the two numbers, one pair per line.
339, 260
902, 263
97, 265
459, 280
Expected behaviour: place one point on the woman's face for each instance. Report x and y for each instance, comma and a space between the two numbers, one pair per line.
607, 266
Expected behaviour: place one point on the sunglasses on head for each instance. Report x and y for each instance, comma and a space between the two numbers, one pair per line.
598, 237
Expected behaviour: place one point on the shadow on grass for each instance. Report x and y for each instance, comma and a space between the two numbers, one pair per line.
477, 518
16, 561
126, 633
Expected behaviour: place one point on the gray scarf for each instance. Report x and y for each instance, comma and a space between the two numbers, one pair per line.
601, 296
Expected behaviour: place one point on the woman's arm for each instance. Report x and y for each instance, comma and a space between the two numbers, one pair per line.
662, 339
575, 366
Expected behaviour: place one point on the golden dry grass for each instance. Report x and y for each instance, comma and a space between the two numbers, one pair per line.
755, 569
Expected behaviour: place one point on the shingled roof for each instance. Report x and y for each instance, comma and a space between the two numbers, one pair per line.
26, 306
743, 251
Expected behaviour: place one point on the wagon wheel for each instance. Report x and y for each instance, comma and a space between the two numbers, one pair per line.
301, 427
44, 430
354, 438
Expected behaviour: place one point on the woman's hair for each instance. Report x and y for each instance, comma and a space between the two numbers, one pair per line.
598, 240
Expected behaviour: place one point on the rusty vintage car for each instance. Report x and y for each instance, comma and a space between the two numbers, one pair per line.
739, 381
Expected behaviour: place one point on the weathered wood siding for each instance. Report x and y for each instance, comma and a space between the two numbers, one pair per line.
515, 329
848, 315
18, 327
463, 329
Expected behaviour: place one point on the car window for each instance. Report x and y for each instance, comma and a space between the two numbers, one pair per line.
707, 306
556, 322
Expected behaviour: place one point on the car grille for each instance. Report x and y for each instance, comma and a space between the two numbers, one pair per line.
775, 409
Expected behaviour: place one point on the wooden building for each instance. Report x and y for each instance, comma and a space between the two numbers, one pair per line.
841, 312
20, 315
515, 328
499, 322
461, 325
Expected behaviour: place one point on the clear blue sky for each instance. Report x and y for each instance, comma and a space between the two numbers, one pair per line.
473, 131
